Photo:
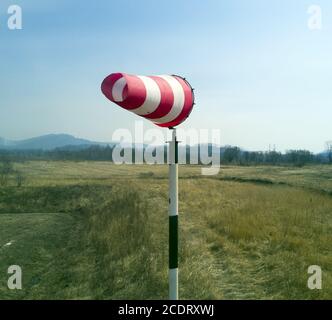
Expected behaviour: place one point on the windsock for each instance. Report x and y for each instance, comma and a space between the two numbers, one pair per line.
165, 100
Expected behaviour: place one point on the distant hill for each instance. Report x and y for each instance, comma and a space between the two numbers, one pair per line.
324, 155
48, 142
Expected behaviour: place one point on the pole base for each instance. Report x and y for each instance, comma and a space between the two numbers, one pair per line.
173, 284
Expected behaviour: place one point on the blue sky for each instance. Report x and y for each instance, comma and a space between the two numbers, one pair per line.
261, 75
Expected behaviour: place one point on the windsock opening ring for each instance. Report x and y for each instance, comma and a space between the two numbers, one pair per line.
166, 100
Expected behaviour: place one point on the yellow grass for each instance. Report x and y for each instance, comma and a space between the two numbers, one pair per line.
247, 233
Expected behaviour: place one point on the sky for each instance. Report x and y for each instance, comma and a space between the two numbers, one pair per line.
261, 75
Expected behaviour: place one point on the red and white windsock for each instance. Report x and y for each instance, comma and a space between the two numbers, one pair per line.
165, 100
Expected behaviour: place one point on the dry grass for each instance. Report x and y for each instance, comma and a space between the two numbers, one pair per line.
248, 233
265, 237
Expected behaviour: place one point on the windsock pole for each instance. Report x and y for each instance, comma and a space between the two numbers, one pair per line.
173, 217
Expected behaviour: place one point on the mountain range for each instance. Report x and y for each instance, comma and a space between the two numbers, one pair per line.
48, 142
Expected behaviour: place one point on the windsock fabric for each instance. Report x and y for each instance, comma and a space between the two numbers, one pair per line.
165, 100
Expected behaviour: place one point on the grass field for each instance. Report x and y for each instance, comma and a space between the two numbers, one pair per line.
93, 230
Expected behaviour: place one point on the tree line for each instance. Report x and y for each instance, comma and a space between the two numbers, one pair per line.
234, 155
228, 155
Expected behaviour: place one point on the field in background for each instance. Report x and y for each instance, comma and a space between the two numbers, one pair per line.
94, 230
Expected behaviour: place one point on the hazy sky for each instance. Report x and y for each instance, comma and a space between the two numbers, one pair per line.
261, 75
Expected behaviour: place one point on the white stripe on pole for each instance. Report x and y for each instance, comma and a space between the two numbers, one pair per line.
173, 284
179, 100
152, 99
173, 177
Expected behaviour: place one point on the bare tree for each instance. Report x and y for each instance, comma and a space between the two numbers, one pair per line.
19, 177
6, 168
329, 150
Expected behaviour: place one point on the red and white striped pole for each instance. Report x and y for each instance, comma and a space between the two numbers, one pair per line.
173, 217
